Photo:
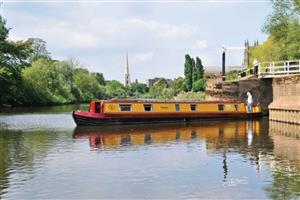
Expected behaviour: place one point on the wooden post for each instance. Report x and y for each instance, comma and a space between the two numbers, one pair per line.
223, 64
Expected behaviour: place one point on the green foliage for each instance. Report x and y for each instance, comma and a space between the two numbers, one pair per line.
194, 73
179, 85
268, 51
199, 85
115, 89
100, 78
49, 80
283, 25
199, 71
191, 96
13, 57
137, 89
232, 75
4, 31
87, 85
55, 82
277, 23
293, 40
188, 71
39, 49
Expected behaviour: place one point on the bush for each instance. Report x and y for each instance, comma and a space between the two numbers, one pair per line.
199, 85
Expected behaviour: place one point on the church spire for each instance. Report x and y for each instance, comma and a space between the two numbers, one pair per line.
127, 76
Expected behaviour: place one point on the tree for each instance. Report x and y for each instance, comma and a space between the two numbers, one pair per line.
199, 85
199, 69
179, 85
137, 89
283, 25
39, 49
188, 71
115, 89
277, 23
13, 57
99, 77
50, 81
156, 91
270, 50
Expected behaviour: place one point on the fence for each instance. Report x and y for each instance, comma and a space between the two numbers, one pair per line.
274, 69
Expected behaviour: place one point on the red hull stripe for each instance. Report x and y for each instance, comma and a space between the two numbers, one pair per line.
164, 115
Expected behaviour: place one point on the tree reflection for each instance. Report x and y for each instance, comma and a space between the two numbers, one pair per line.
19, 152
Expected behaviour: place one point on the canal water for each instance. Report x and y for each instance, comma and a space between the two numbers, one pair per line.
43, 155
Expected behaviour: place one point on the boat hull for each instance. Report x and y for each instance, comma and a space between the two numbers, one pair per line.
94, 119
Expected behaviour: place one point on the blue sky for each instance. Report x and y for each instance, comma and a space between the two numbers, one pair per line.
156, 35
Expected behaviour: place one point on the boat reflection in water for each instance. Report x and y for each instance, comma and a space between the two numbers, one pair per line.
218, 137
216, 134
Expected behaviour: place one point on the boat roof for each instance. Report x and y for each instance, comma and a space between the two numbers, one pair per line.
168, 101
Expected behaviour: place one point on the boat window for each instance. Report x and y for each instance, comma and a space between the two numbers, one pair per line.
177, 107
193, 134
148, 138
147, 107
97, 107
125, 107
193, 107
221, 107
177, 135
236, 107
125, 139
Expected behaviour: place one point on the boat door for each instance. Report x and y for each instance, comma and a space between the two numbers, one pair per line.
97, 107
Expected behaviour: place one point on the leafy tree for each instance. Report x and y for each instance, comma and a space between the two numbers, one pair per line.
39, 49
13, 57
137, 89
199, 85
199, 71
179, 85
156, 90
49, 80
293, 40
277, 23
99, 77
115, 89
232, 75
88, 86
283, 27
188, 71
268, 51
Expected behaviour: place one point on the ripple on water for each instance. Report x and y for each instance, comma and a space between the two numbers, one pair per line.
31, 122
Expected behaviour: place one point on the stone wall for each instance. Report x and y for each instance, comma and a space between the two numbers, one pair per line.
261, 90
286, 101
280, 97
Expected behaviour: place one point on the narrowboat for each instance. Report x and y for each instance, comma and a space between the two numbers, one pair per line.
132, 111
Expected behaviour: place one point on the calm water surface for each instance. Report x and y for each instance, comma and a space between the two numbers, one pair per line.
43, 155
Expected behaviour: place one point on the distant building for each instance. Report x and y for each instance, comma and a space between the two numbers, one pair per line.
246, 61
127, 76
152, 81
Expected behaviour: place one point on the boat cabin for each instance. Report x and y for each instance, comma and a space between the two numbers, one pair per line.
156, 106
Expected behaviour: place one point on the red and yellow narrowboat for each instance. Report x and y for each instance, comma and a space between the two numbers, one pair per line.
131, 111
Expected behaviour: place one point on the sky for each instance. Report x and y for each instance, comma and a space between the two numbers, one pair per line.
156, 34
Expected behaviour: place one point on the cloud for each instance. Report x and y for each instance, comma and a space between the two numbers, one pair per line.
97, 32
200, 44
100, 34
145, 56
